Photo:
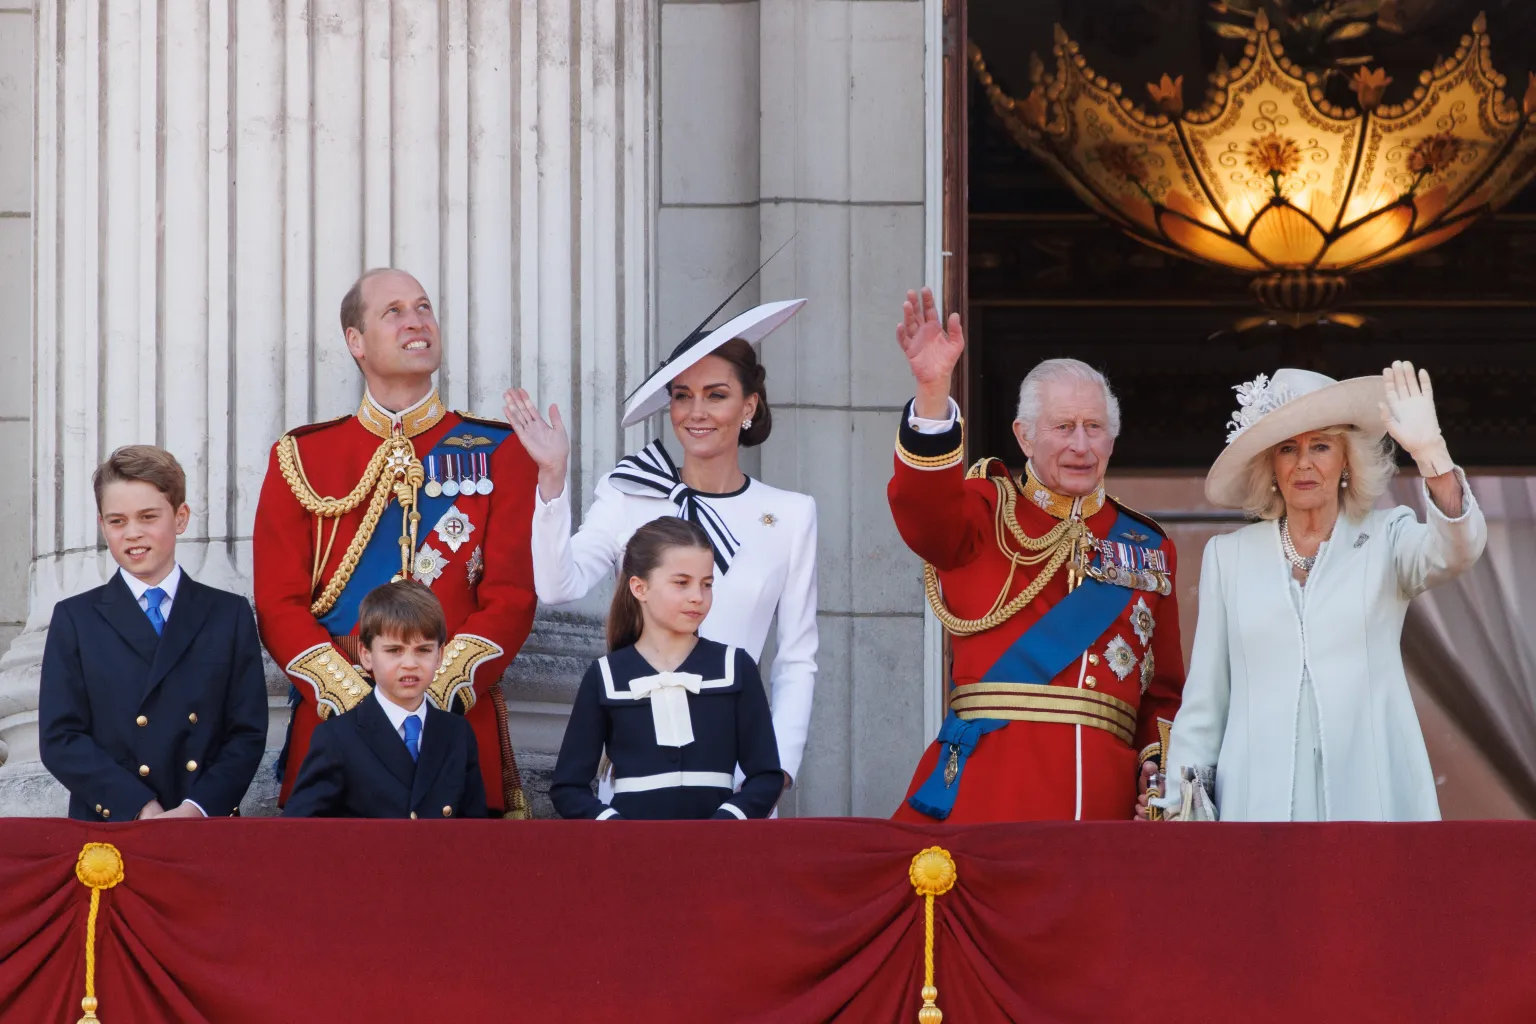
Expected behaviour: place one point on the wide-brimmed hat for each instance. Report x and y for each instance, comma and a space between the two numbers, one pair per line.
752, 326
1271, 409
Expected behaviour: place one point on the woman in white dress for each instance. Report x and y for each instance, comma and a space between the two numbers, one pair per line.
764, 538
1296, 692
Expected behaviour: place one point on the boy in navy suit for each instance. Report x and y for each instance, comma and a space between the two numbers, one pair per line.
393, 755
152, 702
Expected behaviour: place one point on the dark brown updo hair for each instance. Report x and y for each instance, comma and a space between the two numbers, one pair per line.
644, 552
751, 374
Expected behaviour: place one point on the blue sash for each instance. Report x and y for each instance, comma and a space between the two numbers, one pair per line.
380, 560
1056, 640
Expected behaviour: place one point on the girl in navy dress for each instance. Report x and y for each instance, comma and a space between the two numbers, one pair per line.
676, 713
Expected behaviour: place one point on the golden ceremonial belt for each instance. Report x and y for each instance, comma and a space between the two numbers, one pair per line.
1037, 702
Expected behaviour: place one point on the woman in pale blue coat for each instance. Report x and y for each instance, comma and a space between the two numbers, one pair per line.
1296, 692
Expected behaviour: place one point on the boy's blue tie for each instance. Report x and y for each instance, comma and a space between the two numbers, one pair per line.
412, 736
152, 598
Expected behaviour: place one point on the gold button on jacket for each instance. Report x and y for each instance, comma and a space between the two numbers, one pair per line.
413, 815
143, 770
192, 718
447, 812
142, 721
191, 766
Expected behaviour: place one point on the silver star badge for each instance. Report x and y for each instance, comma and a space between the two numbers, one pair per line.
430, 564
454, 528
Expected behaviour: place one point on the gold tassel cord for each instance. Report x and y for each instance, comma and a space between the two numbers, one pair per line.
932, 874
99, 866
1062, 542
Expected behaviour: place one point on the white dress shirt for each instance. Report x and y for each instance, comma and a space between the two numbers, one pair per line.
398, 715
923, 425
773, 573
138, 588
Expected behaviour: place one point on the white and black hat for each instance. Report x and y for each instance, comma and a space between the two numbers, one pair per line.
752, 327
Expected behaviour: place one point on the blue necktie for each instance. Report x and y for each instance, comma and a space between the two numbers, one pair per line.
413, 736
152, 598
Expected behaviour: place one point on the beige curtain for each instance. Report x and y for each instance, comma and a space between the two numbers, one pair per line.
1471, 643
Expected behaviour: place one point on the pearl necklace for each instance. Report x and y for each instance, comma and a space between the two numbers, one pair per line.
1291, 554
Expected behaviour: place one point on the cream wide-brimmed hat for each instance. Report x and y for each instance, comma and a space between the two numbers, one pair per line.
1293, 402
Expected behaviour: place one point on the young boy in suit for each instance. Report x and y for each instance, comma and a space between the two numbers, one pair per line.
153, 702
393, 755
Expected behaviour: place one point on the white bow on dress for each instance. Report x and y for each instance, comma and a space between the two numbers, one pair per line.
669, 692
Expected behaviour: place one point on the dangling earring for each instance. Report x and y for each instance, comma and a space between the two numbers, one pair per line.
1272, 485
746, 424
1344, 483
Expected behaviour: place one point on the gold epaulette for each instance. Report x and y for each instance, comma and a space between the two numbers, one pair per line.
983, 468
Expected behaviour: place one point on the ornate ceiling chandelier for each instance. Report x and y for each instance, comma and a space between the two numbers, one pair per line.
1271, 178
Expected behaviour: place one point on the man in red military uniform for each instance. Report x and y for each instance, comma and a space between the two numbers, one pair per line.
1059, 600
403, 488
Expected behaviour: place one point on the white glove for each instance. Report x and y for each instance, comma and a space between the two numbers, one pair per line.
1409, 412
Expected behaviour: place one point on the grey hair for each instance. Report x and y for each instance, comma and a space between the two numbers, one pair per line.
1371, 467
1061, 371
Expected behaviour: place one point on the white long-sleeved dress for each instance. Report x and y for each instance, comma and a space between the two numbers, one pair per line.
772, 572
1300, 701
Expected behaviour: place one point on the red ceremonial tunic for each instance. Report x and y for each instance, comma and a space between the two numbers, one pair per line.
485, 587
1033, 770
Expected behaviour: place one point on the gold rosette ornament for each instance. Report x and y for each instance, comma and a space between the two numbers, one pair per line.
98, 867
932, 874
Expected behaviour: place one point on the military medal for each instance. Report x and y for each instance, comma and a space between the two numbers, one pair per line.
467, 483
485, 486
450, 481
433, 488
475, 567
454, 528
429, 564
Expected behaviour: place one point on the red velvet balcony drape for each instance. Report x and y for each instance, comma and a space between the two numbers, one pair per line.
269, 921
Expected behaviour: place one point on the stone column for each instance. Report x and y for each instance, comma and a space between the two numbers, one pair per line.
210, 178
806, 118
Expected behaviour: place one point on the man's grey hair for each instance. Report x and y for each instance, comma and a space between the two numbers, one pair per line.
1063, 371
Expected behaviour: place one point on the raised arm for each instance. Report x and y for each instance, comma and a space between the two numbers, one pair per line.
939, 518
565, 567
1429, 553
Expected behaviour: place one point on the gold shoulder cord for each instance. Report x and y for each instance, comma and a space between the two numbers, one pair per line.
1054, 549
396, 454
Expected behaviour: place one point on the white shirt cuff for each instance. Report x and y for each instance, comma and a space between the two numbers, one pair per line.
199, 807
923, 425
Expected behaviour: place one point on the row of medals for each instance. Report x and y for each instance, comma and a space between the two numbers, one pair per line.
455, 481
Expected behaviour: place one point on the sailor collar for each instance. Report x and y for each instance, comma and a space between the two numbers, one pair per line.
1060, 505
418, 418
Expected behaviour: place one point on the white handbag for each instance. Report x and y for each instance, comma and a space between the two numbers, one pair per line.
1195, 788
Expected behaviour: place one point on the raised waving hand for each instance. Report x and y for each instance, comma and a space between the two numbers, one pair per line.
932, 348
546, 441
